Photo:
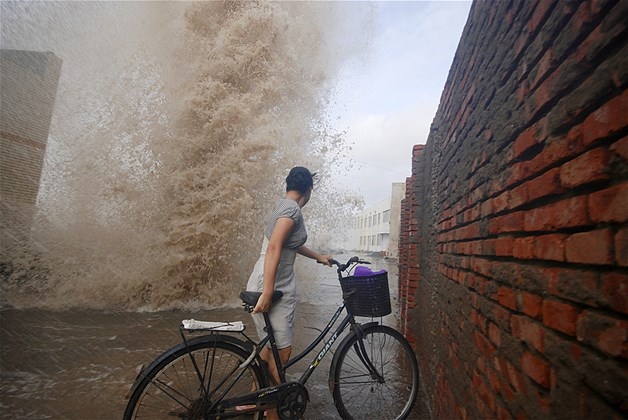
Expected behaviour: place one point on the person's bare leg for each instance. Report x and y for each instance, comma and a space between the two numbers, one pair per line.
267, 355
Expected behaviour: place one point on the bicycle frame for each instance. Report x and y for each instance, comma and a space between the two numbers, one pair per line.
266, 397
348, 319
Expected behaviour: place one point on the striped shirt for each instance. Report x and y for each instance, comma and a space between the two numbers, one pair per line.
288, 208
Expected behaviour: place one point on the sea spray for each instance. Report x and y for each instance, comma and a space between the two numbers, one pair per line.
174, 126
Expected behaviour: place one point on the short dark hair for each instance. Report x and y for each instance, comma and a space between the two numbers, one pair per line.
300, 179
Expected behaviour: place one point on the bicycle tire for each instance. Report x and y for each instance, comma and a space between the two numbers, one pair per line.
170, 387
357, 395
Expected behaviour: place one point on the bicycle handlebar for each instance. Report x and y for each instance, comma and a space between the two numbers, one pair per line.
349, 263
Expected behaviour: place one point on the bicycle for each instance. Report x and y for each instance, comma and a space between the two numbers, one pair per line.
374, 372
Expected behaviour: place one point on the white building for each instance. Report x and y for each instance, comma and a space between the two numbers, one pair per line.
376, 229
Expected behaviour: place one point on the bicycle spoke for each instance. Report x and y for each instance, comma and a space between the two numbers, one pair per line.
164, 387
190, 380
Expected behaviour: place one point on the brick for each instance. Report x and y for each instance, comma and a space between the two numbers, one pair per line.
542, 95
479, 320
467, 232
579, 285
550, 247
484, 345
488, 247
481, 266
480, 391
593, 247
511, 222
528, 330
567, 213
540, 11
514, 376
518, 196
531, 304
556, 149
609, 205
505, 272
606, 333
536, 368
501, 317
507, 297
526, 140
503, 414
494, 334
499, 203
486, 208
493, 379
620, 148
504, 246
585, 169
607, 120
523, 248
615, 291
544, 403
546, 184
621, 247
536, 279
560, 316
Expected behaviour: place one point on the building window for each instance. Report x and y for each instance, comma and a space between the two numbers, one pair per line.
386, 216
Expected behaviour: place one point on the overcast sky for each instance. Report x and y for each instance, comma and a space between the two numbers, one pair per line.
388, 104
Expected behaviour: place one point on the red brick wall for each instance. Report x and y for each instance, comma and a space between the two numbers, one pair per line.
514, 246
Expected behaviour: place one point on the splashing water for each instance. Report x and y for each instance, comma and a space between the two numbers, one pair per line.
174, 126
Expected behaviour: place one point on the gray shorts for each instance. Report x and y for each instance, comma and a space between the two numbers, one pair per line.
282, 321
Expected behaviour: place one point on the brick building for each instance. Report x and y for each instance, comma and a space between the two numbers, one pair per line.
28, 87
514, 244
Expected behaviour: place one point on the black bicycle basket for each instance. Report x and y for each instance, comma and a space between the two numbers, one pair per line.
369, 297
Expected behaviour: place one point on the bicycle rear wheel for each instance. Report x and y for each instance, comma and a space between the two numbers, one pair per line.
387, 393
173, 385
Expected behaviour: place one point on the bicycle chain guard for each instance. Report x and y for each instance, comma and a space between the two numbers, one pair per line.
292, 402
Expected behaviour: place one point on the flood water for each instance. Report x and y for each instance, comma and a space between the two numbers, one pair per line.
79, 364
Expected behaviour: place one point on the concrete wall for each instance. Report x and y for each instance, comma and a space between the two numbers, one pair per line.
397, 195
28, 87
514, 252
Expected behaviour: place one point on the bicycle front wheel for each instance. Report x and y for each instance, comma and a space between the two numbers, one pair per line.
376, 376
187, 380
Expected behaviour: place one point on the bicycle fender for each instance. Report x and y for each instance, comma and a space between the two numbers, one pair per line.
343, 343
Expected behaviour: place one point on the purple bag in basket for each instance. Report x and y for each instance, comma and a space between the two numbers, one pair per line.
362, 271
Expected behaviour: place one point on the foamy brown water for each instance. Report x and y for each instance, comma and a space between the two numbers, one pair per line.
174, 126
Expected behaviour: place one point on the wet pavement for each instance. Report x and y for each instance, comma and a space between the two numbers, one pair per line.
80, 364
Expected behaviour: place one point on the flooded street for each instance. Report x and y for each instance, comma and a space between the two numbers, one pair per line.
79, 364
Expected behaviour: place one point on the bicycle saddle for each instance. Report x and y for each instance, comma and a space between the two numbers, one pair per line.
250, 298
